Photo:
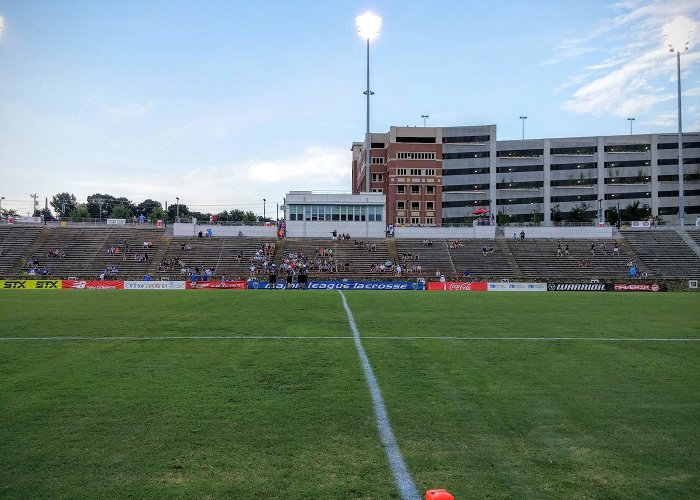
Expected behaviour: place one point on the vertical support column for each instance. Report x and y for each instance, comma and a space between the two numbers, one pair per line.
601, 173
493, 163
654, 173
547, 183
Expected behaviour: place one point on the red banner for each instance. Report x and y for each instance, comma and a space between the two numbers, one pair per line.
93, 285
218, 285
458, 286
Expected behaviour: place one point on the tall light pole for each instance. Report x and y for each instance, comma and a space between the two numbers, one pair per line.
1, 197
630, 120
368, 25
425, 117
177, 209
523, 118
264, 202
678, 33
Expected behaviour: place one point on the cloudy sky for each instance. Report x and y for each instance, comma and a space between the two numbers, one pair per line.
225, 102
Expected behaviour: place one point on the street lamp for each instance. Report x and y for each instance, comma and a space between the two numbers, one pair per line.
264, 201
1, 197
677, 34
630, 120
368, 25
177, 209
425, 117
523, 118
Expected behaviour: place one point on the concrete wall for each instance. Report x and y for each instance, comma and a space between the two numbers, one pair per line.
323, 229
454, 233
189, 230
565, 233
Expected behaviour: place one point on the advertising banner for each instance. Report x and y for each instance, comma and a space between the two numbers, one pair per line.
154, 285
343, 285
12, 219
458, 286
577, 287
30, 284
116, 221
261, 285
366, 285
92, 285
638, 287
218, 285
517, 287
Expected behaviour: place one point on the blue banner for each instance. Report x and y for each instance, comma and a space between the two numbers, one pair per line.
366, 285
343, 285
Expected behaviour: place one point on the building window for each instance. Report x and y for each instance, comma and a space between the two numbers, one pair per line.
400, 220
377, 190
627, 148
377, 177
415, 189
430, 171
377, 160
430, 220
401, 189
415, 205
411, 155
430, 205
415, 171
429, 189
415, 220
400, 171
400, 205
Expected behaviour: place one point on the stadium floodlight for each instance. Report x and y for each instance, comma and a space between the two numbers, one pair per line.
630, 120
425, 117
523, 118
368, 25
678, 34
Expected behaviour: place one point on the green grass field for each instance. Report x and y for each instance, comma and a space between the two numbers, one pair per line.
292, 417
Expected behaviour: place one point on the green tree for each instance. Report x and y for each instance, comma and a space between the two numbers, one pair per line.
579, 213
555, 212
121, 212
611, 216
157, 214
147, 206
635, 211
63, 203
81, 212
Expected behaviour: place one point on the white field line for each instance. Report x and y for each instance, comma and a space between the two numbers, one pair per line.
343, 337
404, 481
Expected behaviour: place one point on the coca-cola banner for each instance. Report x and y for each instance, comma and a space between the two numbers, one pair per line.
93, 285
458, 286
218, 285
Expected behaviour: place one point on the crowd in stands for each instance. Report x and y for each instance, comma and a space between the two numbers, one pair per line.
33, 268
369, 246
487, 250
339, 237
456, 244
427, 243
185, 245
55, 252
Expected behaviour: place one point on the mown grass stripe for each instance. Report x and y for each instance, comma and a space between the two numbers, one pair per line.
402, 476
343, 337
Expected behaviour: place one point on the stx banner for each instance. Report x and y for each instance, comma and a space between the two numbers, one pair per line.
218, 285
154, 285
30, 284
641, 287
93, 285
577, 287
517, 287
452, 286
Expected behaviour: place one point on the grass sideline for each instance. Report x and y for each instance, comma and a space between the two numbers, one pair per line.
293, 418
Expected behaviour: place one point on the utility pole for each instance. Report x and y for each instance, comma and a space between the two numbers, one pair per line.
36, 203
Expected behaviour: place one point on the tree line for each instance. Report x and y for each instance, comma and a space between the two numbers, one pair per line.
106, 206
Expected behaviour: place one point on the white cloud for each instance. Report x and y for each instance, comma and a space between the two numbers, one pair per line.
128, 111
628, 80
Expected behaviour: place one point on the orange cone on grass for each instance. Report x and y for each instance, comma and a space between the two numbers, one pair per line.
438, 495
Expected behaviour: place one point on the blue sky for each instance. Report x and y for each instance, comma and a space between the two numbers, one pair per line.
224, 103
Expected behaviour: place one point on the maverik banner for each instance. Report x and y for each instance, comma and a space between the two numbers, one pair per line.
93, 285
154, 285
638, 287
30, 284
458, 286
577, 287
517, 287
218, 285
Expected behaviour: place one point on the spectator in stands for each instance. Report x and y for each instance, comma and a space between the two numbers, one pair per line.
593, 249
398, 269
442, 278
559, 254
616, 249
515, 237
490, 252
566, 249
522, 235
484, 250
210, 233
603, 248
147, 277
